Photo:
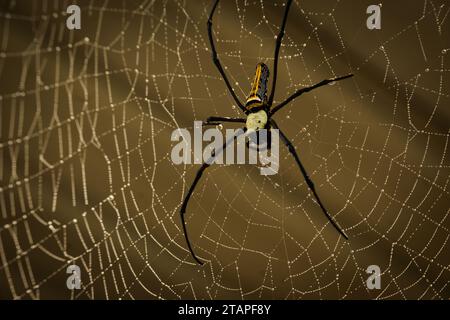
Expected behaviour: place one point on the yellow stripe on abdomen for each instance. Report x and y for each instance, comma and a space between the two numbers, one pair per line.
258, 92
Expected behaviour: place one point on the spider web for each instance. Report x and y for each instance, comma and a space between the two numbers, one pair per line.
87, 179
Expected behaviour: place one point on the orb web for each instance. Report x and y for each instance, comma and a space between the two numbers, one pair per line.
87, 179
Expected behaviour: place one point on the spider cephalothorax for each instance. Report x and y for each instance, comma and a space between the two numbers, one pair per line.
256, 120
259, 110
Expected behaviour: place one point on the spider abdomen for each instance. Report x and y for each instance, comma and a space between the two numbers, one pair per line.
258, 93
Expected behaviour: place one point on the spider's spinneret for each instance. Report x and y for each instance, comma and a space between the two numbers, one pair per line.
256, 103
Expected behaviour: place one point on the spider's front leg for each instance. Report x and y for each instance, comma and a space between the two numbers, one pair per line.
199, 174
309, 182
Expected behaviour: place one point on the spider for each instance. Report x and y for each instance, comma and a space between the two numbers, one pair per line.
258, 110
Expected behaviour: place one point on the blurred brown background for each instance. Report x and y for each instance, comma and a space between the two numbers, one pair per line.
86, 176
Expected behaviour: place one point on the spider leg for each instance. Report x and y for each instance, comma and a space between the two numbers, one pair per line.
306, 89
307, 179
277, 51
216, 59
200, 171
216, 120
